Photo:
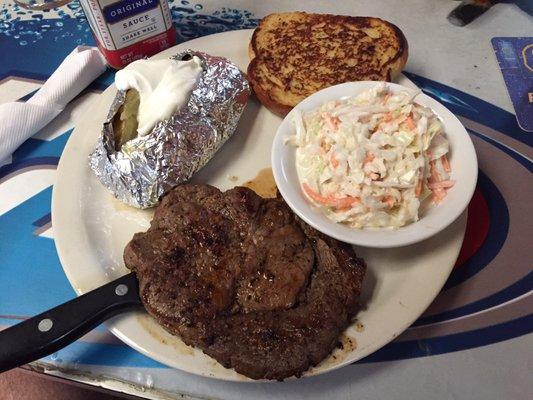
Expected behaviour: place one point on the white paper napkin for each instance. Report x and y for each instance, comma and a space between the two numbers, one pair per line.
19, 121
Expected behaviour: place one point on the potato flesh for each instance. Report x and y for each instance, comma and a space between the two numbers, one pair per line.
125, 122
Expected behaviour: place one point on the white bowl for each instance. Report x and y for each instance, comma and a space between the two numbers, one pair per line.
462, 159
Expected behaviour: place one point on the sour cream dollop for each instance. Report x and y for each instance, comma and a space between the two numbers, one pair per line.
164, 87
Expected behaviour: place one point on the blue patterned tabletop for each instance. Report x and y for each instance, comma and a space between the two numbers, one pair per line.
487, 299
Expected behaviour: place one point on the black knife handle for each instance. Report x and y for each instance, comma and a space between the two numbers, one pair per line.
54, 329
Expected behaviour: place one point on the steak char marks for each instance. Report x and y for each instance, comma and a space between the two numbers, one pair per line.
243, 279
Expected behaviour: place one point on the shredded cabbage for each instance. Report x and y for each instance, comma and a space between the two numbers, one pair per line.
369, 161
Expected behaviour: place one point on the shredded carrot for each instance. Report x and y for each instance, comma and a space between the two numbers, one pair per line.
333, 122
389, 200
386, 118
437, 185
438, 195
314, 195
410, 123
418, 188
345, 202
445, 163
334, 161
339, 203
441, 185
386, 98
435, 177
369, 157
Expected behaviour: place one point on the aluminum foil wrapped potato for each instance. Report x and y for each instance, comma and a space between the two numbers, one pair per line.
139, 169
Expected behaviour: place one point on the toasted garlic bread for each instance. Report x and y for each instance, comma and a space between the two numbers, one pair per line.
295, 54
125, 120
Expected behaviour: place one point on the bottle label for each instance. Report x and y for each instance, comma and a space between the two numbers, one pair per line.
123, 10
127, 30
118, 24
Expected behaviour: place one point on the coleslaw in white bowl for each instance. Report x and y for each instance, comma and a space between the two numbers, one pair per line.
375, 164
371, 160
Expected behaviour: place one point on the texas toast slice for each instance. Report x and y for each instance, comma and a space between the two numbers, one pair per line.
295, 54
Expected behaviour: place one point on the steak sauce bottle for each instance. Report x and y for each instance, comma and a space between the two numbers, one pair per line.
128, 30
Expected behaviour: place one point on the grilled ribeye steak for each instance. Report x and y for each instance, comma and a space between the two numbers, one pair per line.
243, 279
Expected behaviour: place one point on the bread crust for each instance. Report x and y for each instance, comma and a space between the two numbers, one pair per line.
264, 96
389, 70
397, 64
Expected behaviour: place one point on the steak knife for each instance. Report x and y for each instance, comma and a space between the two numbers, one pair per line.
56, 328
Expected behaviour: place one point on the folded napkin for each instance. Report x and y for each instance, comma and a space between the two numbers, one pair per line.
19, 121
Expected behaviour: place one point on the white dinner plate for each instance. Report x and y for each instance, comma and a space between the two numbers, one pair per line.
91, 229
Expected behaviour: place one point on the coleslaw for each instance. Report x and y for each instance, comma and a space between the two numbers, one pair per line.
371, 160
